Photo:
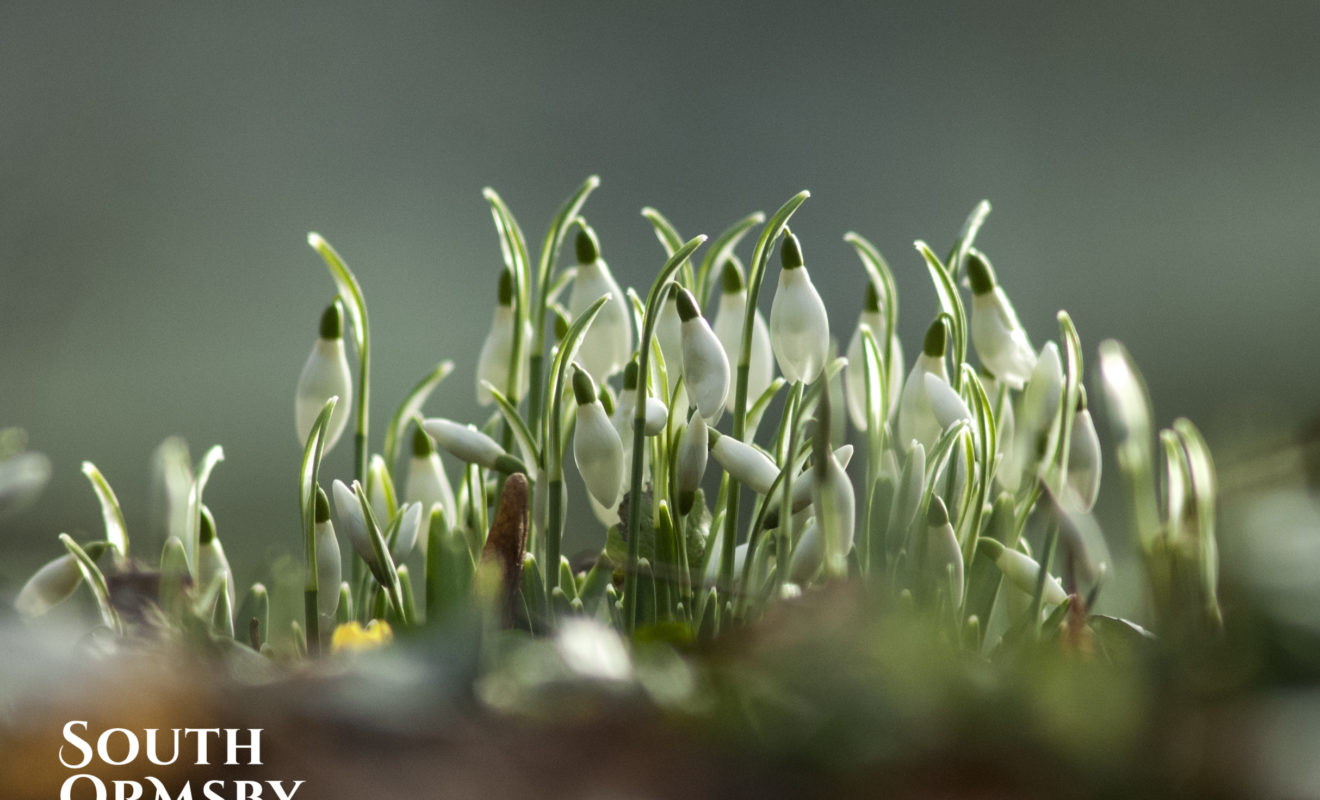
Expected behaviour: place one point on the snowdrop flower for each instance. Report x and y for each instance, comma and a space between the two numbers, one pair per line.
705, 366
211, 559
1036, 429
54, 583
656, 414
497, 351
406, 530
802, 489
717, 552
1083, 483
998, 337
325, 375
329, 562
744, 463
832, 498
380, 488
943, 555
1004, 420
1022, 570
466, 443
607, 344
916, 417
691, 461
728, 328
669, 332
854, 376
352, 524
807, 556
946, 405
799, 326
427, 482
597, 448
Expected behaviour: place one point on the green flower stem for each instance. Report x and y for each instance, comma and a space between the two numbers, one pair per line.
649, 319
784, 538
356, 306
760, 257
1046, 557
307, 475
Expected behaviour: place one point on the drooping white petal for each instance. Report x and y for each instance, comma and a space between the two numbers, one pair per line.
728, 327
690, 461
916, 418
1037, 430
744, 463
597, 448
607, 344
1083, 485
50, 586
329, 568
211, 560
1022, 571
946, 405
668, 331
808, 555
466, 443
835, 506
324, 375
799, 327
429, 485
999, 339
350, 522
410, 526
496, 356
380, 488
705, 365
943, 555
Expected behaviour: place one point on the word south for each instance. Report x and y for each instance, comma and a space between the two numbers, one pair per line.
119, 747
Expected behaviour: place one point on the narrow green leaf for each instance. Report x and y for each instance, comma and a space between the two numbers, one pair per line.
116, 532
203, 476
568, 348
95, 580
883, 279
1130, 415
721, 247
757, 411
1201, 476
411, 407
348, 287
670, 240
521, 433
958, 255
951, 303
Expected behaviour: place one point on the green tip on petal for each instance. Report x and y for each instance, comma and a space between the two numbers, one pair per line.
332, 321
712, 436
630, 376
937, 515
687, 306
561, 326
872, 302
1081, 398
322, 506
979, 273
990, 548
791, 253
588, 246
208, 526
820, 437
584, 389
606, 398
95, 549
422, 447
933, 344
506, 287
731, 277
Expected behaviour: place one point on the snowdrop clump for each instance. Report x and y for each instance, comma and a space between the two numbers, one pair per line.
720, 487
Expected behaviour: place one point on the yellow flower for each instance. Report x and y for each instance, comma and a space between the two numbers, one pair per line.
352, 637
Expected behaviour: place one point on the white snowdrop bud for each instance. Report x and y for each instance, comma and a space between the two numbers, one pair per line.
466, 443
656, 415
717, 552
833, 499
54, 583
705, 366
1083, 484
669, 332
728, 327
916, 418
998, 337
807, 556
1036, 424
427, 482
1004, 420
693, 452
597, 448
854, 376
406, 531
946, 405
211, 559
802, 488
943, 555
325, 375
1022, 570
380, 488
329, 562
497, 351
607, 344
744, 463
350, 522
799, 325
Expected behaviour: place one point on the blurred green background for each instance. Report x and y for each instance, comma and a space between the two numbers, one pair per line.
1153, 169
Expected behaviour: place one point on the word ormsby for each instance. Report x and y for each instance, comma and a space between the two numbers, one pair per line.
118, 747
